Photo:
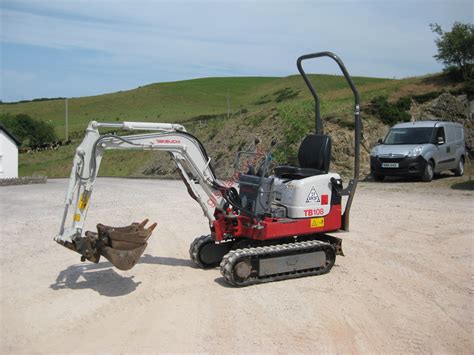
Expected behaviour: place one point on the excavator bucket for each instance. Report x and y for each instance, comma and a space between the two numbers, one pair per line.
122, 246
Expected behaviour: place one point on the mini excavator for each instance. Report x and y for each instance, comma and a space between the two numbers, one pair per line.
268, 226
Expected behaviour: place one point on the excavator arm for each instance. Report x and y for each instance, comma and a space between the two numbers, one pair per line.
124, 245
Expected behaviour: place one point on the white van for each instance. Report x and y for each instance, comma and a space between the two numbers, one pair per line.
420, 148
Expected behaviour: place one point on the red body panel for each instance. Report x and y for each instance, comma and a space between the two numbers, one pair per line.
274, 228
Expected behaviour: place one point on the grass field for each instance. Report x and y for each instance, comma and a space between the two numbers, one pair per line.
58, 163
254, 104
180, 101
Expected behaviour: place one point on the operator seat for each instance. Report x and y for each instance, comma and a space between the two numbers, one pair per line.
314, 157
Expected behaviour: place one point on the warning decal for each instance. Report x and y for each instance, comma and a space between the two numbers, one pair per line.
317, 222
83, 200
313, 196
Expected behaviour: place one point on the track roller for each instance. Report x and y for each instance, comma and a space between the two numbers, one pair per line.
243, 267
206, 253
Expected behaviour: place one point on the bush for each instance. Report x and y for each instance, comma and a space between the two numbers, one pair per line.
263, 100
391, 113
403, 103
297, 121
28, 131
285, 94
469, 88
427, 97
453, 73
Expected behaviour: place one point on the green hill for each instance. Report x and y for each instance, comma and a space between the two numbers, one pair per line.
264, 107
175, 101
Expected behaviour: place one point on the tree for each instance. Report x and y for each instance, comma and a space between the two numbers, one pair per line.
456, 48
30, 132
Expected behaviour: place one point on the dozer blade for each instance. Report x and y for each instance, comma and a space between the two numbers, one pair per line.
122, 246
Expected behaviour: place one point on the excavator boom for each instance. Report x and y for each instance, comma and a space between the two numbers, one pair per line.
123, 246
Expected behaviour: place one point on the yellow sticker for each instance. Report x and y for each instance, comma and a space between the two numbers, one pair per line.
317, 222
83, 200
77, 217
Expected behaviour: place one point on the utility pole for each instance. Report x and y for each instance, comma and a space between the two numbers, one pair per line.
67, 138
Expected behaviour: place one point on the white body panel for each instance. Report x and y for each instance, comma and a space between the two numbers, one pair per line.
8, 157
309, 197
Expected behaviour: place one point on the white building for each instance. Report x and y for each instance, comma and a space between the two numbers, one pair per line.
8, 154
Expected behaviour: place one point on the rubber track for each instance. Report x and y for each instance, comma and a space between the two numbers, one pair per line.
234, 256
194, 249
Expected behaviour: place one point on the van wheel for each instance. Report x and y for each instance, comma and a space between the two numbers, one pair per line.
378, 177
428, 173
459, 171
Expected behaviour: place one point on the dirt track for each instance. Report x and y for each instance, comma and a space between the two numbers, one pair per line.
405, 285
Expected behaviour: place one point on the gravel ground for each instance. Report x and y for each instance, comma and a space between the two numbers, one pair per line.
405, 285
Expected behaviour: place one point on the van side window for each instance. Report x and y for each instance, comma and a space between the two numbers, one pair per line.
440, 134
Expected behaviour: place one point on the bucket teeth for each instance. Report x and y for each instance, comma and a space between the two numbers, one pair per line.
122, 246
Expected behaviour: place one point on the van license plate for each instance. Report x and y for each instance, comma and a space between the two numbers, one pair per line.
389, 165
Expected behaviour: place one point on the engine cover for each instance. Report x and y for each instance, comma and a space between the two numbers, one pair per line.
308, 197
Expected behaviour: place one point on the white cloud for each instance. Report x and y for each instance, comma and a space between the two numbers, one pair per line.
205, 38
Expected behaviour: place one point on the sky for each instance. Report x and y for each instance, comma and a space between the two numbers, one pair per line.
71, 48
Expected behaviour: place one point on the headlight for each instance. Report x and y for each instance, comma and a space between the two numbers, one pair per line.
415, 151
374, 152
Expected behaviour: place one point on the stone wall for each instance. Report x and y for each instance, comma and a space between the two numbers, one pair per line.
24, 180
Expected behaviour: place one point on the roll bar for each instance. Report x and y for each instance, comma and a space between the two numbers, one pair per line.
350, 190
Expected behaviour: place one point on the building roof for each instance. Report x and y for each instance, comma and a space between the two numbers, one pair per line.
17, 142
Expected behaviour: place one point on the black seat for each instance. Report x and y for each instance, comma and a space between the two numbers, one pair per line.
314, 157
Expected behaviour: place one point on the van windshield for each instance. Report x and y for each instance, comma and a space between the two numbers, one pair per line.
411, 135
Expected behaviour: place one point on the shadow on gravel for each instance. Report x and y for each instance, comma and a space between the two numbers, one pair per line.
221, 282
98, 277
465, 185
406, 179
390, 179
161, 260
